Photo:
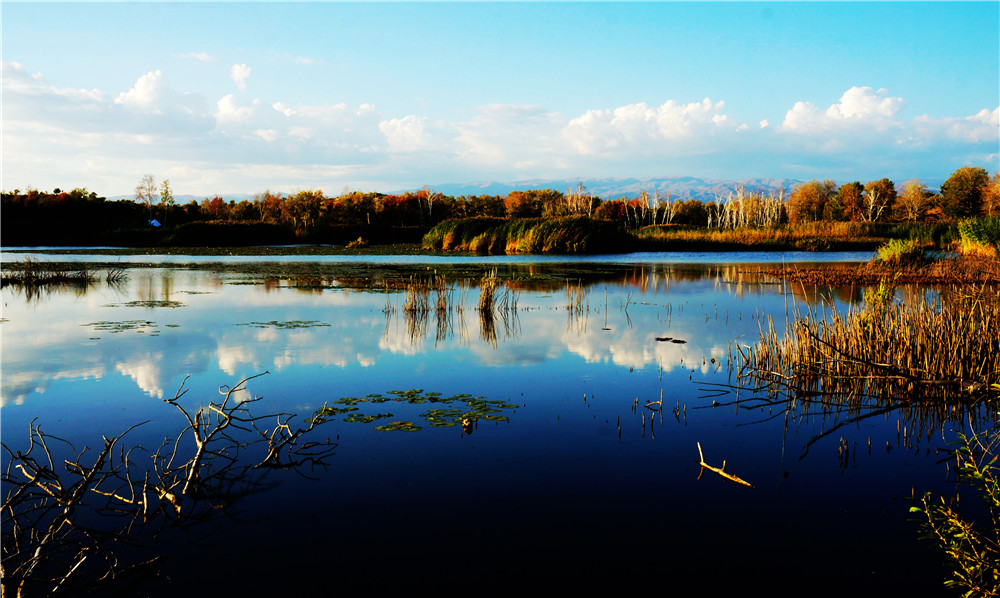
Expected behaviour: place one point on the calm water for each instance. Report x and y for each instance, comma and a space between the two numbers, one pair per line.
581, 486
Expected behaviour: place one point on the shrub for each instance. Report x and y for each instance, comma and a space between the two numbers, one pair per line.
980, 235
900, 251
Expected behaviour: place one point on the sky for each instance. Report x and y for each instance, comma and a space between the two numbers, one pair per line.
242, 97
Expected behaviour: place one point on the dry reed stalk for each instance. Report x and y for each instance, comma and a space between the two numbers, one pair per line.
948, 350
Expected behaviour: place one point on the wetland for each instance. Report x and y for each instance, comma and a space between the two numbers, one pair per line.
556, 434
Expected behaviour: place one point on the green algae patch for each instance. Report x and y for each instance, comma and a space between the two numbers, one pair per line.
457, 410
398, 427
149, 303
366, 419
138, 326
286, 325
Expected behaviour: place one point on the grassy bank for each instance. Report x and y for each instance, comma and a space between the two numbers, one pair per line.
812, 236
580, 234
569, 234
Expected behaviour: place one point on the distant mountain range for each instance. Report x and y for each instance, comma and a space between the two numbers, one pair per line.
682, 188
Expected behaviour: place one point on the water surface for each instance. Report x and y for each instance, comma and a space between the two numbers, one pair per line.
582, 484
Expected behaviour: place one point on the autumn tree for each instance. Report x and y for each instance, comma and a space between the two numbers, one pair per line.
850, 200
215, 207
879, 198
962, 193
991, 197
533, 202
145, 193
914, 201
808, 202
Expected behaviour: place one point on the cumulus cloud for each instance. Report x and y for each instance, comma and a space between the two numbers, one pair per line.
242, 140
859, 108
406, 134
146, 94
239, 74
229, 110
982, 127
497, 135
634, 125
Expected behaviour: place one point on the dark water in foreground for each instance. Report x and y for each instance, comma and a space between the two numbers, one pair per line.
581, 487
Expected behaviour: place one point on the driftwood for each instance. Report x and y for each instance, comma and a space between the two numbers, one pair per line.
719, 470
52, 543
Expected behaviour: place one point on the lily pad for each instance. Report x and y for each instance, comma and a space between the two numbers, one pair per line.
398, 427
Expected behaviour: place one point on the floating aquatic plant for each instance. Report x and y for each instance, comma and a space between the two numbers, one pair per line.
398, 427
467, 412
139, 326
148, 303
286, 325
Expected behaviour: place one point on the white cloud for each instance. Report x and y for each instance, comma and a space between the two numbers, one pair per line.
196, 56
239, 73
635, 126
146, 94
100, 139
229, 110
982, 127
498, 135
860, 108
405, 134
267, 134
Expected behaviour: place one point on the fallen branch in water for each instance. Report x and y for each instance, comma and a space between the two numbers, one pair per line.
719, 470
63, 523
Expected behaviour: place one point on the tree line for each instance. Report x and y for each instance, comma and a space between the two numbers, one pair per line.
81, 216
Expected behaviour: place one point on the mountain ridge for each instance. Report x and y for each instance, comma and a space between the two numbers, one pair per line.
680, 188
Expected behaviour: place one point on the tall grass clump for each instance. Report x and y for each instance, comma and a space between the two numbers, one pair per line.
902, 251
937, 234
980, 235
946, 350
29, 273
567, 234
807, 236
456, 234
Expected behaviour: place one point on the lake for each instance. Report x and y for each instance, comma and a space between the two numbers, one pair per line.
563, 475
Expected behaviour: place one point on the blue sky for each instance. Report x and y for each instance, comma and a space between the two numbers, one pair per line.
240, 97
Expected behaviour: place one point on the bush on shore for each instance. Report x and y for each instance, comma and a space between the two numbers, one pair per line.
567, 234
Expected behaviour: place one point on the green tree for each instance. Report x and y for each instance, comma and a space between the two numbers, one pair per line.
166, 198
962, 193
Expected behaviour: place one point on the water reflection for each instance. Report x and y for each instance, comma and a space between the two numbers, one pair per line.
584, 353
163, 324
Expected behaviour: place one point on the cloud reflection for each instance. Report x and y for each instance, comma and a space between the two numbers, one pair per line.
237, 330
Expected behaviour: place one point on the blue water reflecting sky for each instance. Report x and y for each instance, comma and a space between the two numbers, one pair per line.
94, 361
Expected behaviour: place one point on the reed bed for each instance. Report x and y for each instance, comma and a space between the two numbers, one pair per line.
805, 236
947, 351
433, 296
32, 273
568, 234
418, 295
964, 270
980, 236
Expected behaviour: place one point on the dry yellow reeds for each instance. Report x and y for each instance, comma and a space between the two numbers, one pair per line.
947, 349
